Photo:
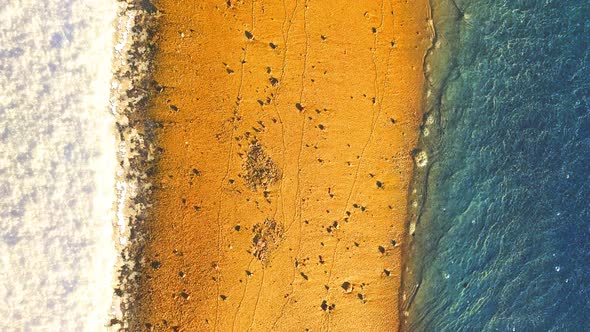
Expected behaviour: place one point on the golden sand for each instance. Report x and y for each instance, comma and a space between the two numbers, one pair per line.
287, 130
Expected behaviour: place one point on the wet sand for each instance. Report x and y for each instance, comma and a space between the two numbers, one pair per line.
286, 134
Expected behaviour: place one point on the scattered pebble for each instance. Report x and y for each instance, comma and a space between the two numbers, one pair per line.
347, 287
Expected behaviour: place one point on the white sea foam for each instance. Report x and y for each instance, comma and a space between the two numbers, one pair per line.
57, 165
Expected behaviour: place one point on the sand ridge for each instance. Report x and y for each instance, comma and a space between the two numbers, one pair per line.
286, 131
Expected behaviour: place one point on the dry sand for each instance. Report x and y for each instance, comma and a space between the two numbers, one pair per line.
287, 131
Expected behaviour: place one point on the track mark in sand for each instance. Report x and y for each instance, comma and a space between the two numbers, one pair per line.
299, 246
257, 299
375, 115
297, 199
276, 100
298, 211
301, 112
327, 314
229, 160
379, 97
305, 56
248, 275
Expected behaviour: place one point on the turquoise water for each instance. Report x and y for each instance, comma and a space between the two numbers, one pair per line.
503, 239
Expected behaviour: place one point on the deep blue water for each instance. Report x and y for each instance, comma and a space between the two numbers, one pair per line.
503, 243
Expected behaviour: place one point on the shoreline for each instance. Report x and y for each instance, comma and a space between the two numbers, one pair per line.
199, 275
437, 57
131, 88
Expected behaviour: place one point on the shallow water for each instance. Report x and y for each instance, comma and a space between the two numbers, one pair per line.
503, 240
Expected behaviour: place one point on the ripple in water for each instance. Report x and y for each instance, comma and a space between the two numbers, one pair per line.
503, 242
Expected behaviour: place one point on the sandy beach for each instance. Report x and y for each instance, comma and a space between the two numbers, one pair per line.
286, 132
